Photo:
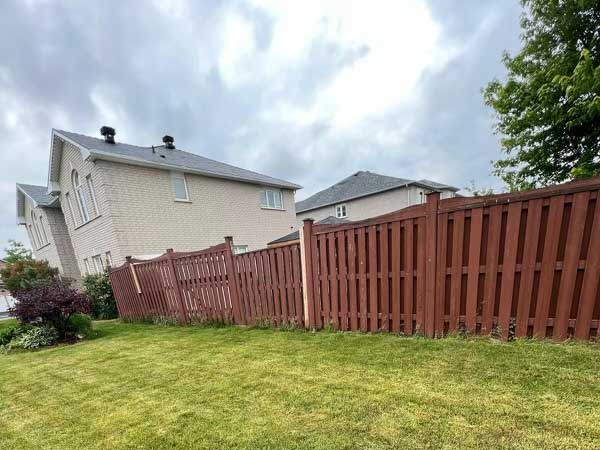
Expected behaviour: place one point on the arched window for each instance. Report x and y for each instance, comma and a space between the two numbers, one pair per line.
81, 202
36, 231
43, 230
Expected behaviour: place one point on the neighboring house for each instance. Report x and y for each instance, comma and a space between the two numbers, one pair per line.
367, 194
106, 200
294, 236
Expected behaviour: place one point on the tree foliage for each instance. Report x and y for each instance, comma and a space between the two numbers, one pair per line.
548, 110
50, 304
99, 290
27, 273
16, 251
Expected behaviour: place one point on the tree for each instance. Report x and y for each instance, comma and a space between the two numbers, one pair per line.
548, 110
50, 304
16, 251
27, 273
477, 191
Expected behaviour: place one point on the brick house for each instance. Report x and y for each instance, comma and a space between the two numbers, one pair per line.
106, 200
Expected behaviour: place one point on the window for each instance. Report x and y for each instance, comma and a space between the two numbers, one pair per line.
43, 230
86, 263
239, 249
40, 238
90, 185
98, 265
81, 202
71, 209
421, 197
32, 235
340, 211
109, 262
271, 199
180, 186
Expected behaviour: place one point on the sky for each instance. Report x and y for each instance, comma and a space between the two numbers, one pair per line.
309, 91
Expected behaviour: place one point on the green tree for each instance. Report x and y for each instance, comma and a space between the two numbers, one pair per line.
548, 109
16, 251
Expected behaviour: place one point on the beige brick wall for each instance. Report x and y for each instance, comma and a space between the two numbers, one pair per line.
97, 236
147, 219
373, 205
58, 251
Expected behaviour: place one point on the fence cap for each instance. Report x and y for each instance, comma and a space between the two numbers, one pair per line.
308, 219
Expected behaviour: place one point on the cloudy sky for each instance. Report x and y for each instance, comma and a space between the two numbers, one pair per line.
306, 91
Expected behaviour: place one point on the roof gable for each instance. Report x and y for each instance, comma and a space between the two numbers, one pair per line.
160, 157
362, 184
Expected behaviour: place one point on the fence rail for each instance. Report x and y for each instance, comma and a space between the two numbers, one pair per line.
524, 264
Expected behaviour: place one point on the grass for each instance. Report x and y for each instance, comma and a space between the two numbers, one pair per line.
151, 387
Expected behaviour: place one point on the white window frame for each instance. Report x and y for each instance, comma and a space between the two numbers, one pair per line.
90, 185
32, 234
240, 249
43, 230
341, 211
36, 230
71, 213
84, 213
265, 203
98, 264
109, 260
180, 176
86, 263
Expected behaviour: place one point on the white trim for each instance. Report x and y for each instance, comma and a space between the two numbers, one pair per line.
267, 206
84, 213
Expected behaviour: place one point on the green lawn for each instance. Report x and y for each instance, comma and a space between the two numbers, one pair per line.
152, 387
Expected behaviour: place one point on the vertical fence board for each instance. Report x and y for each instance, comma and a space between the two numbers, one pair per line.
385, 279
473, 269
457, 267
396, 297
513, 224
408, 276
373, 279
362, 279
491, 268
333, 280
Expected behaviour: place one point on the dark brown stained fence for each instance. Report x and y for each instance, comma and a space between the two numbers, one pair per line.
525, 264
271, 285
370, 276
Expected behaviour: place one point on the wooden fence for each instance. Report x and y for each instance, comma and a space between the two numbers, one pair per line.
525, 264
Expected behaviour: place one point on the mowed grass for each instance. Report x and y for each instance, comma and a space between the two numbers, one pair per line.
152, 387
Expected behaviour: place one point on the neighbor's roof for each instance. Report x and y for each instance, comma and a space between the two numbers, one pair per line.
162, 157
295, 235
38, 195
361, 184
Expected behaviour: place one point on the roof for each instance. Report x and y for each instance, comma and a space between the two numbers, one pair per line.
38, 195
173, 159
295, 235
362, 184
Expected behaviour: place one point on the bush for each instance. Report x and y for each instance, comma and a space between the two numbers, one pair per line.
35, 337
99, 290
80, 325
26, 274
7, 335
51, 304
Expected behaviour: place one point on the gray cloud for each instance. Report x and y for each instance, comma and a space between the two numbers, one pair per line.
147, 72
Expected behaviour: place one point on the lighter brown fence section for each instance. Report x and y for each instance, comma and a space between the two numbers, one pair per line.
525, 264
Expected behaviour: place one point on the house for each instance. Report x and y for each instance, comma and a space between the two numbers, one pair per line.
366, 194
294, 236
106, 200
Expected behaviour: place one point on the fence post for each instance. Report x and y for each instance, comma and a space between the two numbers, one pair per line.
430, 262
307, 275
176, 287
232, 279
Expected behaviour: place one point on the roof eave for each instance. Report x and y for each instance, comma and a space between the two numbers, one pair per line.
99, 154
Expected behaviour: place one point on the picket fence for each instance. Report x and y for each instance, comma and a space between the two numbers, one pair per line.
520, 264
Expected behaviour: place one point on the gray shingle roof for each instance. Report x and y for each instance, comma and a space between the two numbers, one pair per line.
39, 195
178, 158
361, 184
295, 235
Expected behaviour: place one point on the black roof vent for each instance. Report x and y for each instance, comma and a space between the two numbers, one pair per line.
168, 140
109, 134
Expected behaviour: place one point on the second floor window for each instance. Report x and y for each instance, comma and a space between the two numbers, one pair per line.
271, 199
180, 186
340, 211
81, 200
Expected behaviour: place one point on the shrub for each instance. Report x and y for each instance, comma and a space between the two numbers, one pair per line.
7, 335
35, 337
99, 290
27, 273
50, 304
80, 325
